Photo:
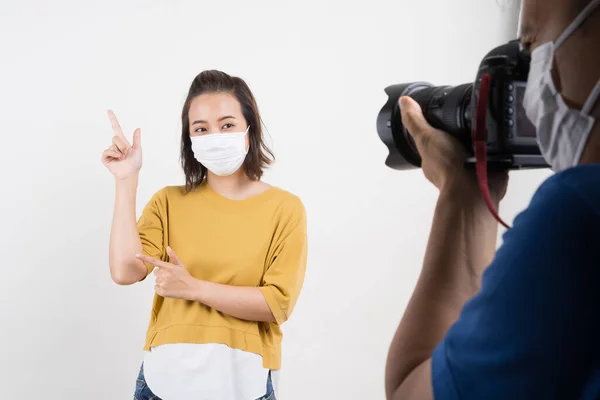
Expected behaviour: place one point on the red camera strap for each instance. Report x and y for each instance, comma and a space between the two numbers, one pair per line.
480, 144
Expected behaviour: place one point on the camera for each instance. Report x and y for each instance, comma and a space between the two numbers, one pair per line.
489, 111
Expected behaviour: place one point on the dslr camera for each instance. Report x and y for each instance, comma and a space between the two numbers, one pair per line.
488, 113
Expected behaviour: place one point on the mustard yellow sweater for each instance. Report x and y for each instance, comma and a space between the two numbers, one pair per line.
260, 241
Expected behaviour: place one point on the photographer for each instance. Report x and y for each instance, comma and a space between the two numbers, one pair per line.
526, 327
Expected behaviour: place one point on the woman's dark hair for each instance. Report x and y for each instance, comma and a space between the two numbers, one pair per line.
259, 155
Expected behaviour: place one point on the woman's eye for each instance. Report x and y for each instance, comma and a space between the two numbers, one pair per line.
227, 126
200, 130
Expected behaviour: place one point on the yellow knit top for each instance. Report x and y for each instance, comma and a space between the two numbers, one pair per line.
260, 241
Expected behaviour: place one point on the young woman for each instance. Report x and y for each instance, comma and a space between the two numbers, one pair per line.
229, 251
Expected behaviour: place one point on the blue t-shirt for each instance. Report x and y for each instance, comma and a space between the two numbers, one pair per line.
533, 331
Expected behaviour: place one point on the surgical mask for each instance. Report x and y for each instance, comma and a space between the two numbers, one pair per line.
562, 132
221, 153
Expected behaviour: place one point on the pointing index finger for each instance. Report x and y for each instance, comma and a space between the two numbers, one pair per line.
116, 126
174, 257
154, 261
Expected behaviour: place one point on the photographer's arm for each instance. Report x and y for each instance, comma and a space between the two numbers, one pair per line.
461, 244
529, 330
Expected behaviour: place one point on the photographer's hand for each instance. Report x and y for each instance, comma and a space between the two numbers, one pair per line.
461, 245
443, 157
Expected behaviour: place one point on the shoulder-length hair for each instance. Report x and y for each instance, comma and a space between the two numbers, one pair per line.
259, 155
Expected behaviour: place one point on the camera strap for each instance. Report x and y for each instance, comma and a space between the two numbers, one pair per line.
480, 144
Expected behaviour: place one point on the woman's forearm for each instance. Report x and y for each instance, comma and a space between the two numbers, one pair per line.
246, 303
125, 243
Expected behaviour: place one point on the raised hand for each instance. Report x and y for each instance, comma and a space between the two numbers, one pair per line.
122, 159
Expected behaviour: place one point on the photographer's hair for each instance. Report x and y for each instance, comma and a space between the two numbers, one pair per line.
259, 155
581, 4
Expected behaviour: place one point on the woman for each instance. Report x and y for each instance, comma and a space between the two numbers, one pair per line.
229, 251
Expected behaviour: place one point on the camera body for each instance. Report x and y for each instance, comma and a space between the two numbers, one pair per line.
510, 137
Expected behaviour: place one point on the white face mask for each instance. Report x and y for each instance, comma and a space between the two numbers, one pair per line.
221, 153
562, 132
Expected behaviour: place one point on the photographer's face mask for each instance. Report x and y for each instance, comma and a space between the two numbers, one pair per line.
562, 132
221, 153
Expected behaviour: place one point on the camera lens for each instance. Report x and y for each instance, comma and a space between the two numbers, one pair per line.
444, 107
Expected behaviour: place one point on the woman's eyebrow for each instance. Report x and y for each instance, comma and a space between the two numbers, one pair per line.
201, 121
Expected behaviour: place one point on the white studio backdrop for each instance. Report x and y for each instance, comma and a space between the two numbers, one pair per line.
318, 70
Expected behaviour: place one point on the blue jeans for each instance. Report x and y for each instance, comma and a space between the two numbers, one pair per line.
143, 392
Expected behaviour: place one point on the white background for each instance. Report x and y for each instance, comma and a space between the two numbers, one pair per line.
318, 70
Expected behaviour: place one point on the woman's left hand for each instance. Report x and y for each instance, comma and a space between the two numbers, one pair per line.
173, 280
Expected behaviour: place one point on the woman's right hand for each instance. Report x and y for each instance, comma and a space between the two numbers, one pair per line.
122, 159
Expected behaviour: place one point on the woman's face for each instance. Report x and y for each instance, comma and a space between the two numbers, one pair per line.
216, 113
